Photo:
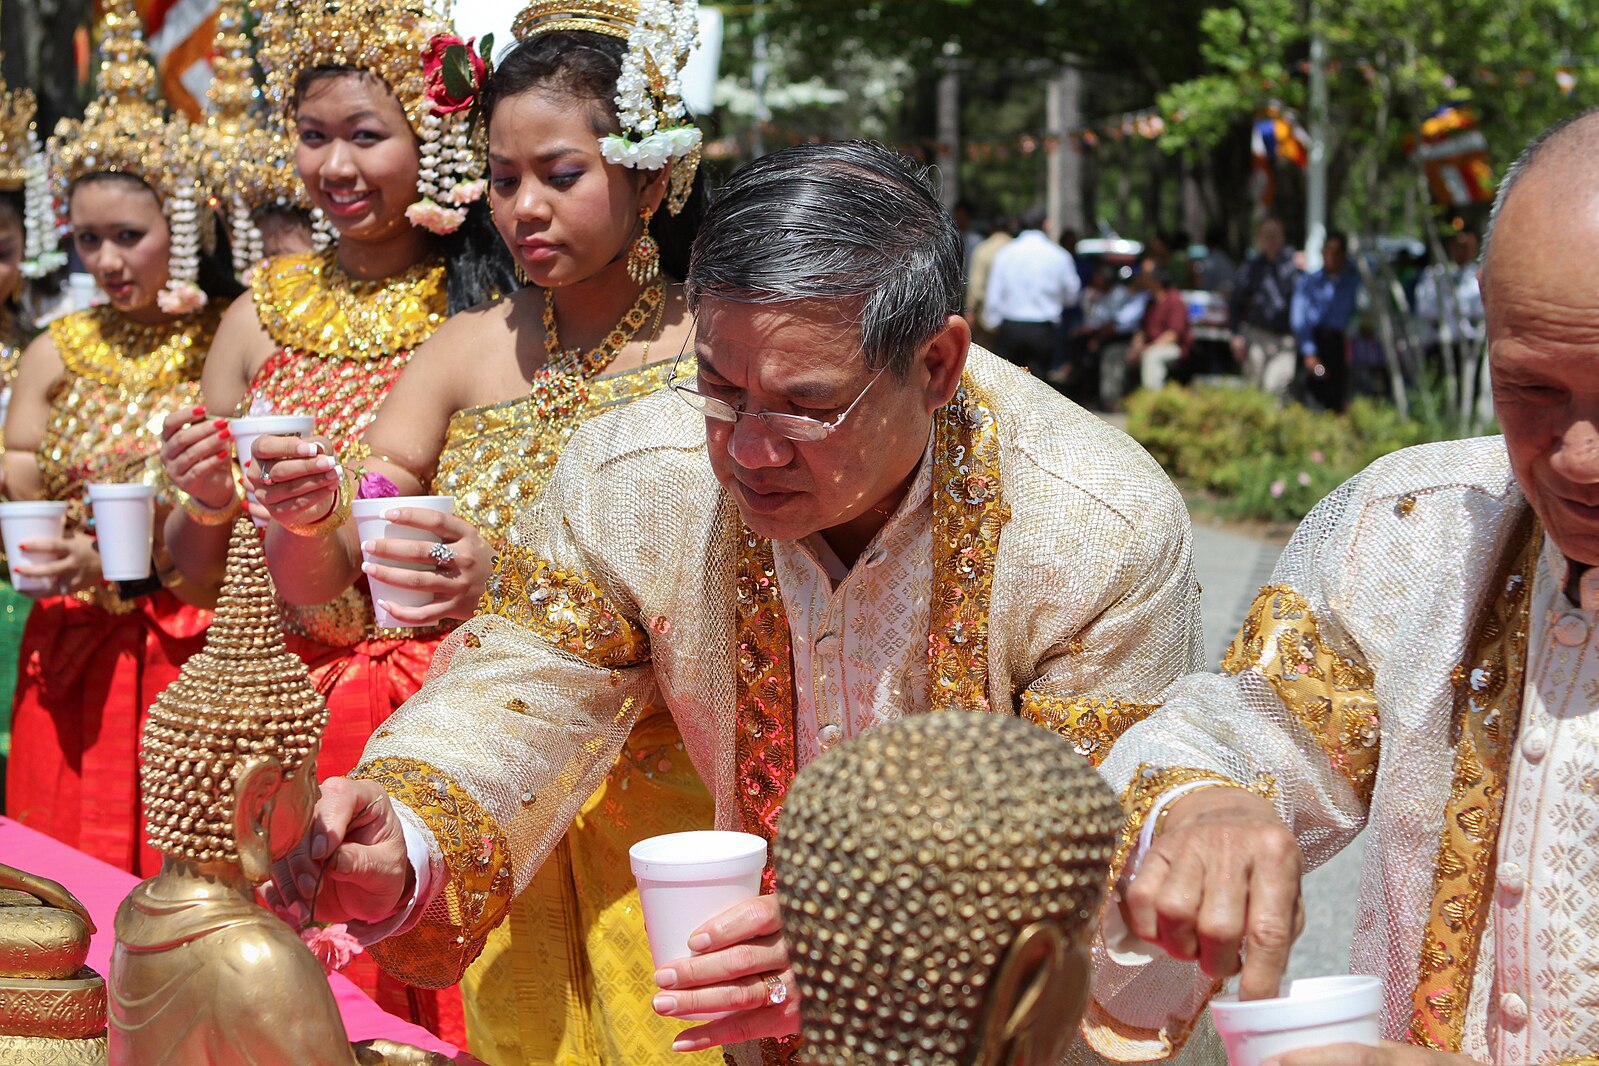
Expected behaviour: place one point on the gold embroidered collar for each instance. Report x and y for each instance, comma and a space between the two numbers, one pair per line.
307, 303
104, 345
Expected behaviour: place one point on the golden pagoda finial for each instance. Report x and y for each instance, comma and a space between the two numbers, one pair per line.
245, 695
247, 159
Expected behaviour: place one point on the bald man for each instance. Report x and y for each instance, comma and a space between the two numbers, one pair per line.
1425, 664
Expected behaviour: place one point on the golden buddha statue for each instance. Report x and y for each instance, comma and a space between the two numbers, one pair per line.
200, 972
939, 879
52, 1006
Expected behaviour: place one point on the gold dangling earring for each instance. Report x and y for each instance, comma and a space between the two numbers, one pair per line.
644, 257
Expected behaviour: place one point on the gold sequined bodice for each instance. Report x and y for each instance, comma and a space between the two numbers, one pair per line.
120, 381
498, 457
342, 344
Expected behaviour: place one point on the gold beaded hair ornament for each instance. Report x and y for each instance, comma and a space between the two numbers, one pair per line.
245, 695
390, 40
124, 131
22, 166
660, 34
247, 157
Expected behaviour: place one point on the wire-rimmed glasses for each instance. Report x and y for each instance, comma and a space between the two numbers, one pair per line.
802, 428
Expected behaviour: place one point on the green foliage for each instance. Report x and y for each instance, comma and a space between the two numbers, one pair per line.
1258, 460
1390, 63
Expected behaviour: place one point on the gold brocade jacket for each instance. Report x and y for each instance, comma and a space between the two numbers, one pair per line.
1062, 590
1377, 683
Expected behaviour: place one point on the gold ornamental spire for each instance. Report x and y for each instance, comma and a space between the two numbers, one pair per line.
244, 695
123, 129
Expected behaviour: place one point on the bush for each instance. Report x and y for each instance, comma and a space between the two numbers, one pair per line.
1262, 461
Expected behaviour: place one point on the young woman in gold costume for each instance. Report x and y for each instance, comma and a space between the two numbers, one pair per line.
327, 334
87, 405
481, 414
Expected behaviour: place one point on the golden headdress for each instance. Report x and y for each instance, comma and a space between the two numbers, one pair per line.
386, 38
911, 859
22, 166
245, 694
125, 131
247, 158
660, 34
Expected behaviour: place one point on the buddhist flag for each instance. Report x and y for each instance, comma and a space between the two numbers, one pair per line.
1275, 138
1454, 156
181, 35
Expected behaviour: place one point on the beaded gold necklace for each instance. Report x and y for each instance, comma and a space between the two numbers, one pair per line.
107, 346
307, 303
561, 384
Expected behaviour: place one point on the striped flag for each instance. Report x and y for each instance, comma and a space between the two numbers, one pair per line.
181, 35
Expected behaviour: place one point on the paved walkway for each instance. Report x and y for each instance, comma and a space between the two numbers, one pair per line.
1231, 568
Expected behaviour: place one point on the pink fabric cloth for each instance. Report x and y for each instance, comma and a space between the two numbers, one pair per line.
102, 889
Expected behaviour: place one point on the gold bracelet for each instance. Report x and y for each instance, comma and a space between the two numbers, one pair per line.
199, 512
337, 515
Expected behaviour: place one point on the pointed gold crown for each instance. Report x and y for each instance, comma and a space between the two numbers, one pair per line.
245, 155
382, 37
122, 130
614, 18
17, 139
246, 694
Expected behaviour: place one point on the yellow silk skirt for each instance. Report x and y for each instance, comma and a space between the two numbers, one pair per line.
566, 979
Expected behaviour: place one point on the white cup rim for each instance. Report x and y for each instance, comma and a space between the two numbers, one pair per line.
711, 847
1311, 1001
265, 424
33, 508
378, 506
107, 490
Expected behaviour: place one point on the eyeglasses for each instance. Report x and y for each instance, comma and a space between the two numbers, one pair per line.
801, 428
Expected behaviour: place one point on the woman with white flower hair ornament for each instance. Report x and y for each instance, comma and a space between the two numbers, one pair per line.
398, 172
481, 413
87, 405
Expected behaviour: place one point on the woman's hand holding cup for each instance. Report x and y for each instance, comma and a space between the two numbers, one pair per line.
295, 479
197, 455
455, 586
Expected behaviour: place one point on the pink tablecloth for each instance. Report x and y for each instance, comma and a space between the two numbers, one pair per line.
102, 889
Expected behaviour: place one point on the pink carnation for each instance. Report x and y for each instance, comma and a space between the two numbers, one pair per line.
434, 217
180, 298
333, 945
375, 486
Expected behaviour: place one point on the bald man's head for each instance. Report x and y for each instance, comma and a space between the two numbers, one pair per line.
1564, 152
1540, 292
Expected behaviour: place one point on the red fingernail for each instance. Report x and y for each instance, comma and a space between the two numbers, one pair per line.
222, 424
199, 411
222, 455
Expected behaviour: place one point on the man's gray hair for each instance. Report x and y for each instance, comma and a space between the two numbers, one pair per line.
1553, 138
851, 223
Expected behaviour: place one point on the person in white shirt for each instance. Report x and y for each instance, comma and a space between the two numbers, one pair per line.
1449, 298
1032, 283
1424, 666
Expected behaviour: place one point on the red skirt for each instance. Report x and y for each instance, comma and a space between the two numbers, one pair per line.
363, 685
86, 679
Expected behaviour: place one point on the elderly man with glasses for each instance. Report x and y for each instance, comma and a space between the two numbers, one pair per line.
840, 513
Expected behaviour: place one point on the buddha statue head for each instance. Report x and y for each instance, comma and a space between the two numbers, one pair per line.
229, 756
940, 878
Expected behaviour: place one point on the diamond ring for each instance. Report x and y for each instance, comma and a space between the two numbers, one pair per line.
442, 555
776, 990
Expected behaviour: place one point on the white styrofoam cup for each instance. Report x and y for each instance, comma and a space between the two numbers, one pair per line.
124, 526
370, 525
686, 879
247, 430
25, 520
1316, 1012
